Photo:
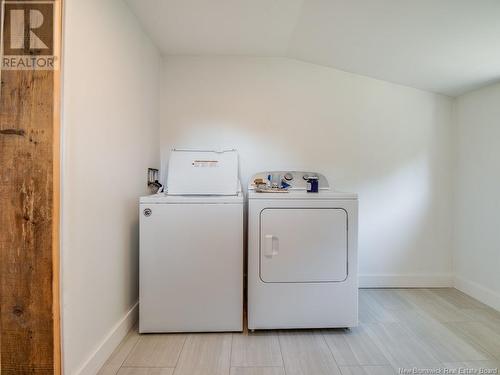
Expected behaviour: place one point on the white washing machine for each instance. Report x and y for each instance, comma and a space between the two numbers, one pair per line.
191, 247
302, 255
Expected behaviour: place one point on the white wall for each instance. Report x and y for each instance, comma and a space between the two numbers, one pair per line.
111, 116
477, 206
389, 143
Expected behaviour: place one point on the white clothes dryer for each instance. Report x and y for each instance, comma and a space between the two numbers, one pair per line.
302, 253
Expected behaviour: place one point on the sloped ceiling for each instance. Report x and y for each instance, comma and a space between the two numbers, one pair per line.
444, 46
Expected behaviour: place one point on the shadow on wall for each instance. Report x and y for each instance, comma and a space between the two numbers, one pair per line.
389, 143
402, 225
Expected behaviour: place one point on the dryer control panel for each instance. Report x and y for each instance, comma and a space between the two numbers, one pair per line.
293, 180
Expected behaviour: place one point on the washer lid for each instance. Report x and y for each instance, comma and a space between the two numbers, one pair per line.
203, 172
192, 199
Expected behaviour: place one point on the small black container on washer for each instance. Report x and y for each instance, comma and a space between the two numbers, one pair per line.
312, 184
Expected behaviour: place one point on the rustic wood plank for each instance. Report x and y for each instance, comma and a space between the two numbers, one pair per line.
26, 216
29, 218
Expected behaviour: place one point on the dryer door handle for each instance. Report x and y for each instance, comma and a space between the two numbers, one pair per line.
271, 244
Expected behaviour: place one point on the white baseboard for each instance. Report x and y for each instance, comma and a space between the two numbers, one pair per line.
110, 342
406, 281
479, 292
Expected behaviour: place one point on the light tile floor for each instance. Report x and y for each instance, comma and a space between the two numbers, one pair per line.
399, 328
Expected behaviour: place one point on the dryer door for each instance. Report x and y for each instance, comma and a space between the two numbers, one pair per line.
299, 245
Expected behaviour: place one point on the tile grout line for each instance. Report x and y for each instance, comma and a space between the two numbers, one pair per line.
477, 342
148, 367
428, 315
131, 349
281, 352
257, 366
381, 346
231, 353
410, 332
330, 350
180, 352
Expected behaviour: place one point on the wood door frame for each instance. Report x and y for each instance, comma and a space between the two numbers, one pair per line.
30, 159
